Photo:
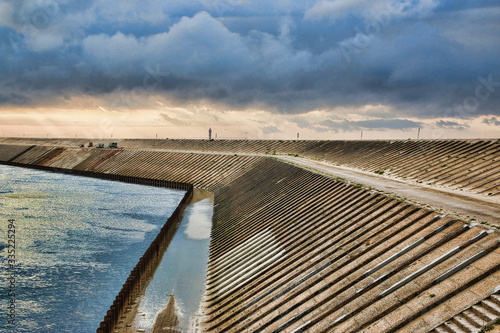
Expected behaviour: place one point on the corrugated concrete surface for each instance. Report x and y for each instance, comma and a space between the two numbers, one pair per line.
469, 165
295, 251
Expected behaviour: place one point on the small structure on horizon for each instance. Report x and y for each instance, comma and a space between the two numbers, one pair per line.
209, 134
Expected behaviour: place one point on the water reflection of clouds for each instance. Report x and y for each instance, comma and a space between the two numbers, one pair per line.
199, 220
181, 271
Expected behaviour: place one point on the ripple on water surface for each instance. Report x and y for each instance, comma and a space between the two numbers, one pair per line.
77, 239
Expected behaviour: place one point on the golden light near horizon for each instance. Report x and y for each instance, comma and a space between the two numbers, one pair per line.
317, 68
236, 165
184, 123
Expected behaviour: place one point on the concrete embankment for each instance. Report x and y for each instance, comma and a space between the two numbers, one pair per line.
300, 251
202, 171
293, 250
468, 165
464, 205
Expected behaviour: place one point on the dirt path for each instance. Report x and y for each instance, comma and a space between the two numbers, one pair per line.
467, 206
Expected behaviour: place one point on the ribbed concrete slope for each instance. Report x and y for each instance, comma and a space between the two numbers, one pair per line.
203, 171
68, 158
482, 314
11, 152
226, 146
470, 165
473, 165
296, 251
293, 250
214, 146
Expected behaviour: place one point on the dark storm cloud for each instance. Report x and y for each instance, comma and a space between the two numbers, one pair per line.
14, 98
287, 57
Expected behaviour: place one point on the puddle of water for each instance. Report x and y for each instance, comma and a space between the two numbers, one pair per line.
198, 225
182, 270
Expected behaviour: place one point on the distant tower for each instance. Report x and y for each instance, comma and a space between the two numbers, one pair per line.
209, 134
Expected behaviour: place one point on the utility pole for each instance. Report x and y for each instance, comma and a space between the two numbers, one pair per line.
361, 135
418, 133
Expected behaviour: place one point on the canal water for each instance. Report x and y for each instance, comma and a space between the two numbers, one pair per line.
182, 270
76, 241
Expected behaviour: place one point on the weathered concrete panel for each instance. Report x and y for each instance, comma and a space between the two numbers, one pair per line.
293, 250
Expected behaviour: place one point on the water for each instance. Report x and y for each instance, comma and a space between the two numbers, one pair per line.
77, 239
182, 270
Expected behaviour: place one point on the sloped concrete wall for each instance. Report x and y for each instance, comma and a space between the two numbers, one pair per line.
469, 165
293, 250
201, 170
297, 251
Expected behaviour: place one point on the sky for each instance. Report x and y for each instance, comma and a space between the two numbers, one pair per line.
316, 69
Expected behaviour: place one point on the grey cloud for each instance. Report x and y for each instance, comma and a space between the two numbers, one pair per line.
387, 124
451, 125
270, 130
415, 65
174, 121
375, 124
301, 122
336, 126
491, 121
14, 99
321, 129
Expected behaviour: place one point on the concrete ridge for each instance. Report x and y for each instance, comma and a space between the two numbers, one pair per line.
179, 167
482, 314
294, 251
335, 235
465, 164
464, 205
